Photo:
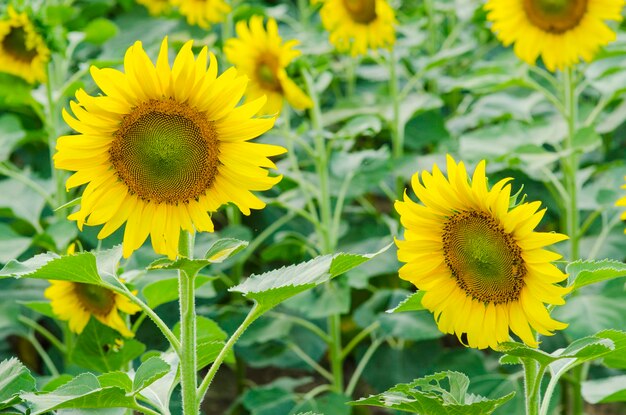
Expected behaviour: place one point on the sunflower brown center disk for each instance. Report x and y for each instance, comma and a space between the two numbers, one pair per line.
266, 73
95, 299
166, 152
361, 11
485, 260
555, 16
14, 43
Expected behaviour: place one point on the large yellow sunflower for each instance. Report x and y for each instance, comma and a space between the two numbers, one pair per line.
359, 25
163, 147
203, 13
156, 7
481, 264
76, 303
23, 52
560, 31
263, 56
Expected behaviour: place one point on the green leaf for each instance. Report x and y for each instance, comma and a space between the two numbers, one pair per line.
582, 273
159, 392
429, 395
164, 291
97, 348
117, 379
14, 378
100, 30
590, 313
84, 391
412, 303
606, 390
221, 250
274, 287
330, 403
42, 307
149, 371
11, 132
11, 244
617, 357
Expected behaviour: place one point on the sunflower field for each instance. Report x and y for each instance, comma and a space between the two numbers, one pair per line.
312, 207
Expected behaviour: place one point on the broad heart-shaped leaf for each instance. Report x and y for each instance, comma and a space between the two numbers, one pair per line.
428, 395
97, 348
606, 390
118, 379
152, 369
14, 378
221, 250
412, 303
273, 287
583, 273
616, 358
84, 391
84, 267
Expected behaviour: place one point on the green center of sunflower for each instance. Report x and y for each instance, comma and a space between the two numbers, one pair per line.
95, 299
166, 152
266, 73
485, 260
14, 43
555, 16
361, 11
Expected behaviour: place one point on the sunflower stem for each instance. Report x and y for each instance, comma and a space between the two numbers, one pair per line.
570, 162
53, 132
188, 375
533, 374
397, 129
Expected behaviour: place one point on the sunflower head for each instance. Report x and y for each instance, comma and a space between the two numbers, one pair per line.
203, 13
261, 54
560, 31
76, 303
23, 51
164, 146
156, 7
358, 25
481, 264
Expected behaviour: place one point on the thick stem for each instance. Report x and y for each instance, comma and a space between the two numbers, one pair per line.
397, 129
53, 133
570, 163
254, 313
533, 374
188, 376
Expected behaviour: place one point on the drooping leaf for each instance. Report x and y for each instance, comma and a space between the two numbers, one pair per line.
274, 287
152, 369
159, 392
582, 273
11, 244
605, 390
84, 391
14, 378
429, 395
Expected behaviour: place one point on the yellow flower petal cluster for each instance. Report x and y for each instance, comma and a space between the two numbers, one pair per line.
23, 52
76, 303
164, 146
156, 7
358, 25
560, 31
203, 13
262, 56
482, 266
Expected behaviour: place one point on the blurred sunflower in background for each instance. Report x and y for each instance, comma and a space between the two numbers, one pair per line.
77, 302
358, 25
203, 13
23, 51
560, 31
163, 146
262, 55
481, 265
156, 7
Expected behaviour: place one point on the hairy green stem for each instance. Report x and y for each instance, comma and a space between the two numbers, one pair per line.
362, 365
533, 374
44, 355
571, 161
188, 369
43, 332
53, 132
254, 313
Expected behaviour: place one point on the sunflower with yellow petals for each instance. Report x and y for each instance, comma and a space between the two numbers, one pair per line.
481, 265
358, 25
203, 13
560, 31
23, 52
77, 302
156, 7
163, 147
262, 55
